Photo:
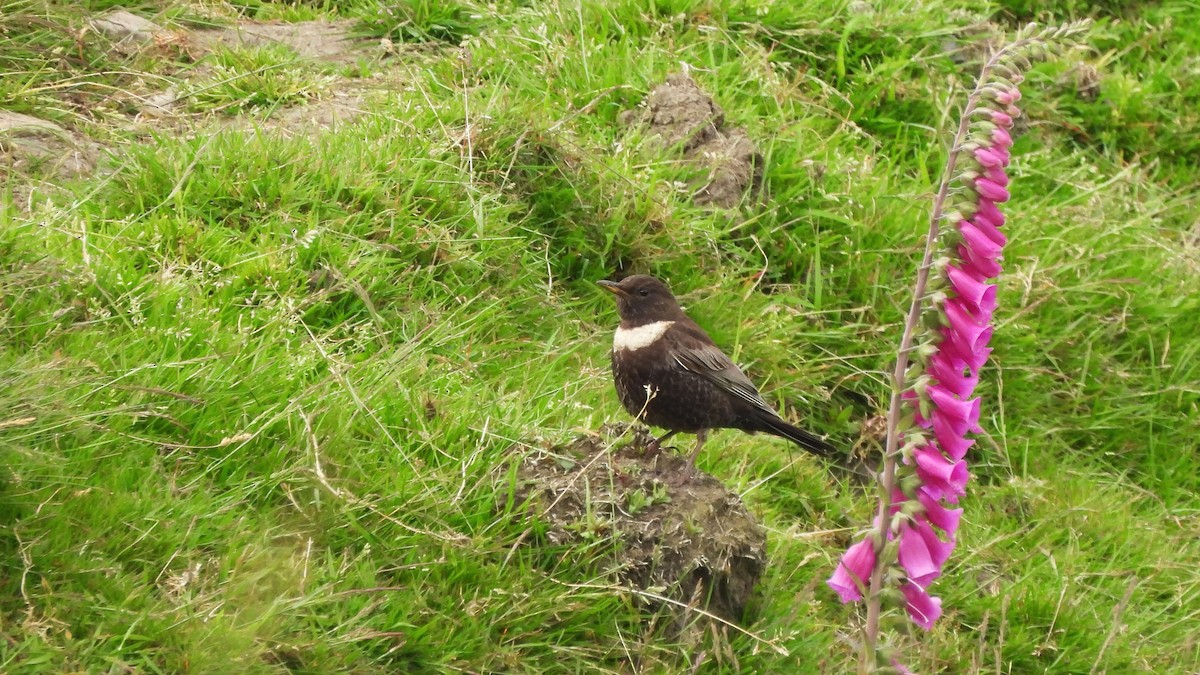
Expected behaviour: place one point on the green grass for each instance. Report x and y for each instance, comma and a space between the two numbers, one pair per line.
255, 78
419, 20
258, 389
47, 68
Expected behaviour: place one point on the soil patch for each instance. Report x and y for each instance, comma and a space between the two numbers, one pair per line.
678, 529
325, 40
682, 116
30, 145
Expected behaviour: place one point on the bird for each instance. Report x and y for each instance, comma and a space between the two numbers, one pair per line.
670, 374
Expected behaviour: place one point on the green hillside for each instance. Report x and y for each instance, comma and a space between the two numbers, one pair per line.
279, 315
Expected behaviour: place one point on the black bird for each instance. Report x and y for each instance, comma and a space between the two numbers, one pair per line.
670, 374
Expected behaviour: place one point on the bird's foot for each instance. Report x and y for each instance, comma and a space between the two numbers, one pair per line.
684, 473
655, 446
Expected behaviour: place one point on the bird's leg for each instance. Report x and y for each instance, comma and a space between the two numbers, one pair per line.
700, 438
656, 444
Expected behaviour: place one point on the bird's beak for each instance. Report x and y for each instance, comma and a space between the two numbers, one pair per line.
612, 287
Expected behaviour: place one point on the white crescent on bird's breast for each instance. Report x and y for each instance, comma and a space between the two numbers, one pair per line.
633, 339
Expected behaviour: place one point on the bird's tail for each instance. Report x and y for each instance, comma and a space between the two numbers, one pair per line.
809, 441
856, 468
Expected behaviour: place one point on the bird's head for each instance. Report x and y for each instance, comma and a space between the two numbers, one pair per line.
643, 299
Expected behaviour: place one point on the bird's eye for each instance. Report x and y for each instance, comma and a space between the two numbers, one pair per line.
643, 292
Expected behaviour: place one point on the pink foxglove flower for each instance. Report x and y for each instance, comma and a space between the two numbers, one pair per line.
854, 571
944, 477
937, 514
922, 608
922, 552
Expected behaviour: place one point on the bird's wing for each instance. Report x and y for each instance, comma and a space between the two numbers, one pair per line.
709, 362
